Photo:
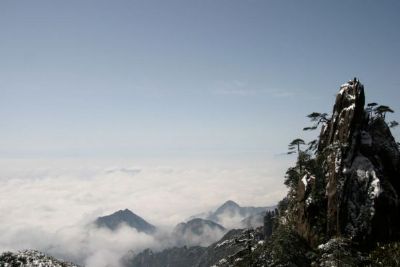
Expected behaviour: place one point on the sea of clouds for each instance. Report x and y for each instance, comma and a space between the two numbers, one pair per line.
49, 205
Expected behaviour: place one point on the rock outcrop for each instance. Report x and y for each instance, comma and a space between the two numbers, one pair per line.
340, 136
361, 174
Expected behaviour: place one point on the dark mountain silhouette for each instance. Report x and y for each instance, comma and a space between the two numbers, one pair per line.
127, 217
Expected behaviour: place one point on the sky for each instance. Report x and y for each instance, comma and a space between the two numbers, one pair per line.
199, 98
183, 78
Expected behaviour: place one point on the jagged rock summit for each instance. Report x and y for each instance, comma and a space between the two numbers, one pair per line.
361, 173
115, 220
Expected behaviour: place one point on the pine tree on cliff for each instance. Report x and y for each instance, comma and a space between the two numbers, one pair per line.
317, 118
296, 143
293, 174
294, 147
382, 110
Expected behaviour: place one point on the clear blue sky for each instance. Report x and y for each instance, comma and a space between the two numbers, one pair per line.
184, 78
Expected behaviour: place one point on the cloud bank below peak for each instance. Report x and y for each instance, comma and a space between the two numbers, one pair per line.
49, 204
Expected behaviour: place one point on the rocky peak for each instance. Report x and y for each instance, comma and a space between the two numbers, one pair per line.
347, 112
361, 164
340, 138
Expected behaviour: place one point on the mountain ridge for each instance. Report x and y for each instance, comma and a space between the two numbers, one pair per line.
197, 232
231, 213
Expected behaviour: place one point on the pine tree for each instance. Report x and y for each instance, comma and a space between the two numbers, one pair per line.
317, 118
382, 110
296, 143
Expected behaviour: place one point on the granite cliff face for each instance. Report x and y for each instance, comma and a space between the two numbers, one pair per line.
360, 173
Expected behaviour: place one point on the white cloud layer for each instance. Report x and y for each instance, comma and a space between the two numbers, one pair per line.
48, 205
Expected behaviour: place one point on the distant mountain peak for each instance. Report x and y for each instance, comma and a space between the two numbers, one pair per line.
198, 232
232, 207
231, 215
126, 216
125, 211
230, 203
